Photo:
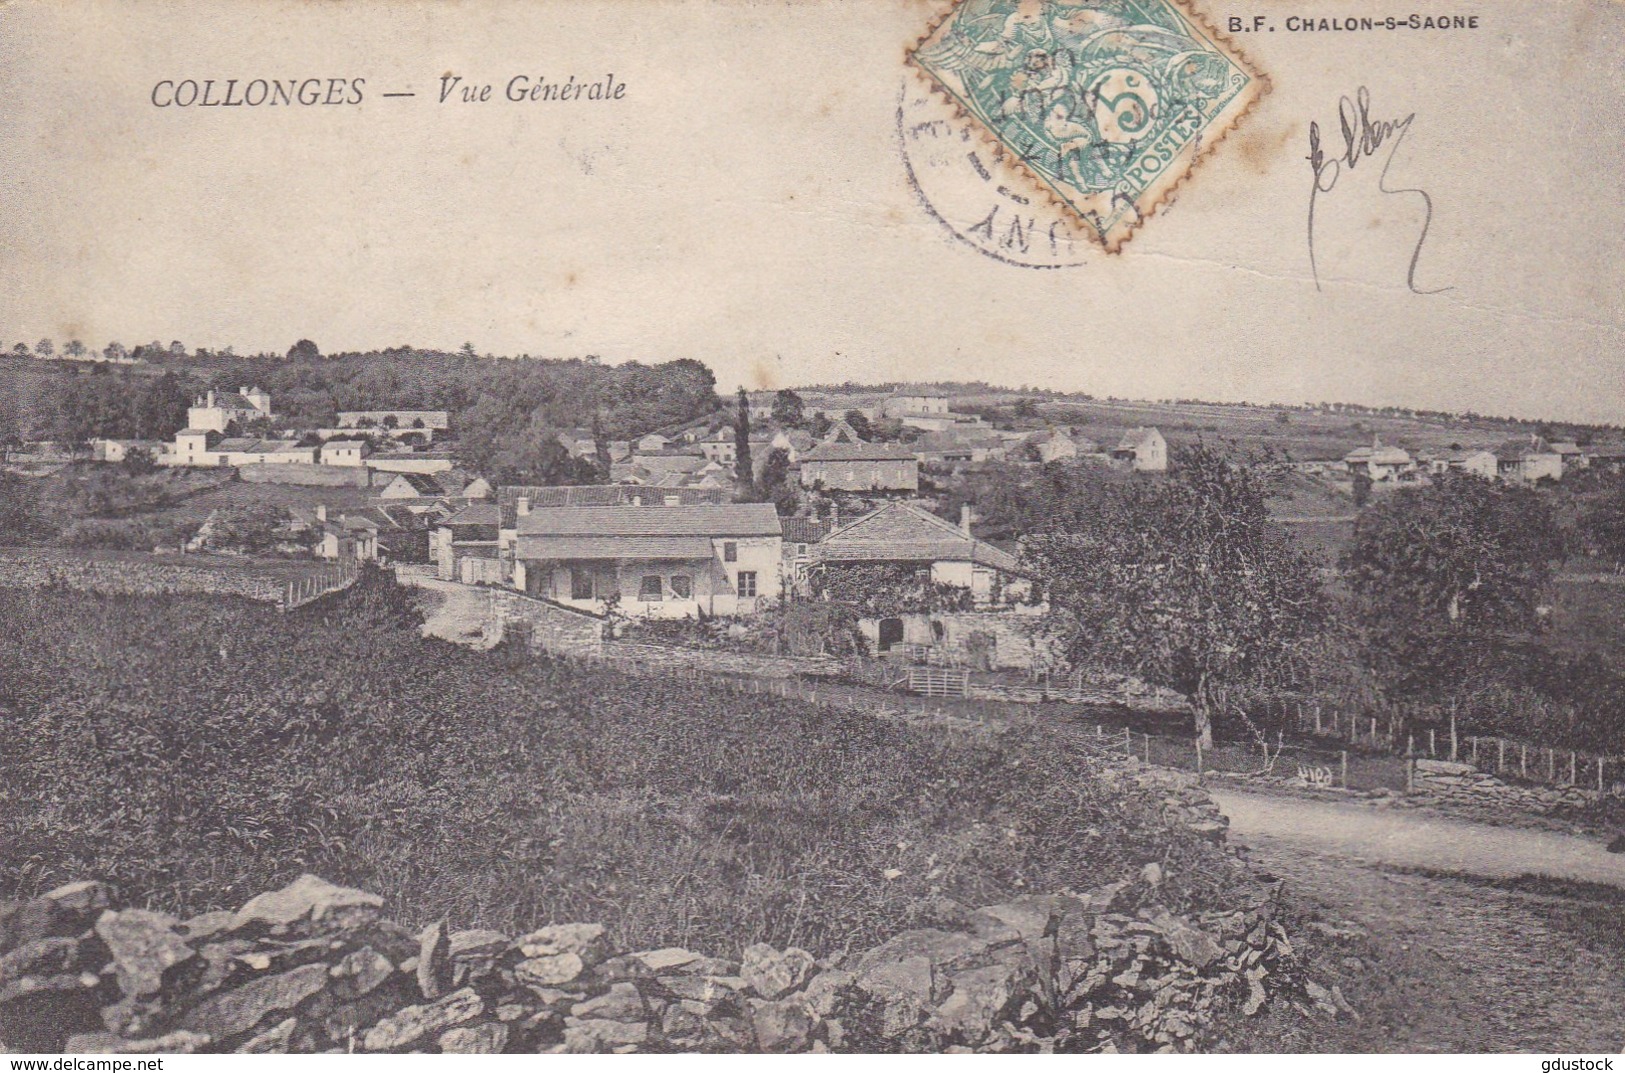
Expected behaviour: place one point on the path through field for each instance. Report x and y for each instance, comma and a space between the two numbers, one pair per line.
453, 612
1469, 961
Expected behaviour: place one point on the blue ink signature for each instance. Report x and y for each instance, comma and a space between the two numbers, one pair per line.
1362, 137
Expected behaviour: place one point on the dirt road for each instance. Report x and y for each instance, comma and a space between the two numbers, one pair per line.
1480, 961
453, 612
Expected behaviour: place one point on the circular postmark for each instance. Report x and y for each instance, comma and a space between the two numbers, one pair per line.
975, 194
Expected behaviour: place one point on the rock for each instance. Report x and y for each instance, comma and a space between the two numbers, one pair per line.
702, 988
1617, 845
549, 971
585, 941
307, 897
476, 943
232, 1013
1256, 996
207, 925
273, 1040
903, 990
621, 1002
408, 1026
433, 971
1151, 875
669, 957
782, 1027
595, 1037
489, 1038
1191, 945
106, 1043
683, 1024
770, 973
981, 998
361, 971
144, 947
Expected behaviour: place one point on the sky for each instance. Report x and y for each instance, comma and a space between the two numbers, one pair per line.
747, 203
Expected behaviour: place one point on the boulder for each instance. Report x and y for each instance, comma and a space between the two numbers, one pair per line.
598, 1036
548, 971
475, 943
359, 971
782, 1027
770, 973
434, 972
488, 1038
410, 1025
273, 1040
903, 990
308, 897
621, 1002
982, 997
181, 1042
144, 948
585, 941
227, 1014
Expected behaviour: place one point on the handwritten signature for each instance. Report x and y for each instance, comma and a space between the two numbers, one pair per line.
1362, 137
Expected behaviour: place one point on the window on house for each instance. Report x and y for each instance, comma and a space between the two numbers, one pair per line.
650, 589
801, 549
580, 583
682, 586
730, 551
747, 583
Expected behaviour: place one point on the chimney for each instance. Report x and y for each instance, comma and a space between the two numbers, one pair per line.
210, 396
521, 506
834, 517
321, 512
964, 518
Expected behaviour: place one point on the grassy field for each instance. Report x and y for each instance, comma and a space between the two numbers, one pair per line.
197, 750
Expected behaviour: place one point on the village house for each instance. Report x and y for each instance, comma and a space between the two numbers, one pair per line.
1142, 449
1528, 460
222, 412
1476, 461
947, 554
1052, 445
1378, 462
466, 546
921, 404
663, 562
844, 463
345, 452
1572, 454
404, 461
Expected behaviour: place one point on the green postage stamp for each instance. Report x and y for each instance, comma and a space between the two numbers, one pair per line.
1106, 104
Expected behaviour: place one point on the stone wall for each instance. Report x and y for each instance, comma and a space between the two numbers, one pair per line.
550, 627
1464, 784
128, 576
315, 967
305, 474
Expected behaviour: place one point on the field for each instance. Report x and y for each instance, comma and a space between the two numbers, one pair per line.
195, 750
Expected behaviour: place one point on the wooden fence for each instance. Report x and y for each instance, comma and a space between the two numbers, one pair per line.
938, 682
301, 591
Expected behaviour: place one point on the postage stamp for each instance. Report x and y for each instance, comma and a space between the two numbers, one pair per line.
1106, 105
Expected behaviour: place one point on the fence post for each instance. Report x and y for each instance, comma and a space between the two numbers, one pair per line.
1474, 740
1600, 762
1373, 732
1345, 769
1523, 760
1453, 755
1551, 764
1572, 770
1432, 743
1317, 718
1199, 763
1128, 742
1147, 738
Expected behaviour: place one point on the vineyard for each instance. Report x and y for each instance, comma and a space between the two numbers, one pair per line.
193, 750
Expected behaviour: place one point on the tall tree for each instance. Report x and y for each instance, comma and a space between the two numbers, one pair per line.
75, 349
304, 350
1183, 583
1446, 576
44, 348
744, 473
788, 409
600, 447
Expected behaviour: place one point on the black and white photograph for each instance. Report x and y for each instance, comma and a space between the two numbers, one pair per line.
794, 527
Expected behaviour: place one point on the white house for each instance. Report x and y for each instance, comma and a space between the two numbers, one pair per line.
1142, 449
346, 453
663, 562
903, 533
218, 412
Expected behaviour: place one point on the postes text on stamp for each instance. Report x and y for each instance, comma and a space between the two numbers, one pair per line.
1105, 104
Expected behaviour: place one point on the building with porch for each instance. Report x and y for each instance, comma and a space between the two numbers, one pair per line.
664, 562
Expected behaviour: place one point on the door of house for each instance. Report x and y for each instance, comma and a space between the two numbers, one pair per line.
891, 633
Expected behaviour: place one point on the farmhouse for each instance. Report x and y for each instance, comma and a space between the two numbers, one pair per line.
1142, 449
345, 452
1528, 460
1378, 462
220, 412
663, 562
1053, 445
860, 467
915, 404
398, 461
119, 450
903, 533
466, 546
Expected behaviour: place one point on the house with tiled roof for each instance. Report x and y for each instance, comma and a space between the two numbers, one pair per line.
1379, 462
219, 411
663, 562
466, 545
907, 534
1142, 449
1528, 460
845, 463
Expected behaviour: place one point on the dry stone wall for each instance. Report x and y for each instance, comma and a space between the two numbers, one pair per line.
20, 568
316, 967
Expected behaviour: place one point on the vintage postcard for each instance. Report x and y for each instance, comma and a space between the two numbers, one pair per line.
690, 527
